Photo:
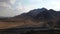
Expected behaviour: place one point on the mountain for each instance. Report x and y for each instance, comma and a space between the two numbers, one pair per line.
41, 15
36, 21
36, 11
35, 18
38, 14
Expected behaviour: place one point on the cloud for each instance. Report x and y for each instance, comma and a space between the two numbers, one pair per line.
3, 4
4, 0
33, 1
12, 1
30, 7
6, 8
27, 5
7, 12
49, 4
53, 4
4, 11
6, 3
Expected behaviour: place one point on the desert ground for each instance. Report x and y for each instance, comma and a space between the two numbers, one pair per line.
18, 24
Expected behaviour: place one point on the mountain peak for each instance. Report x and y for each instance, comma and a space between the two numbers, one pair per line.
51, 10
44, 8
36, 11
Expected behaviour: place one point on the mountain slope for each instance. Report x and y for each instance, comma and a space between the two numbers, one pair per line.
36, 17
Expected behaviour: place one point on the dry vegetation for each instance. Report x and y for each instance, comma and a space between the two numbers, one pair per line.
5, 25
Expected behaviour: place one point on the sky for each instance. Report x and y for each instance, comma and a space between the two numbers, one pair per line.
9, 8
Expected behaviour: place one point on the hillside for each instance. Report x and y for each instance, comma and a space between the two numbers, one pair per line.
37, 17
